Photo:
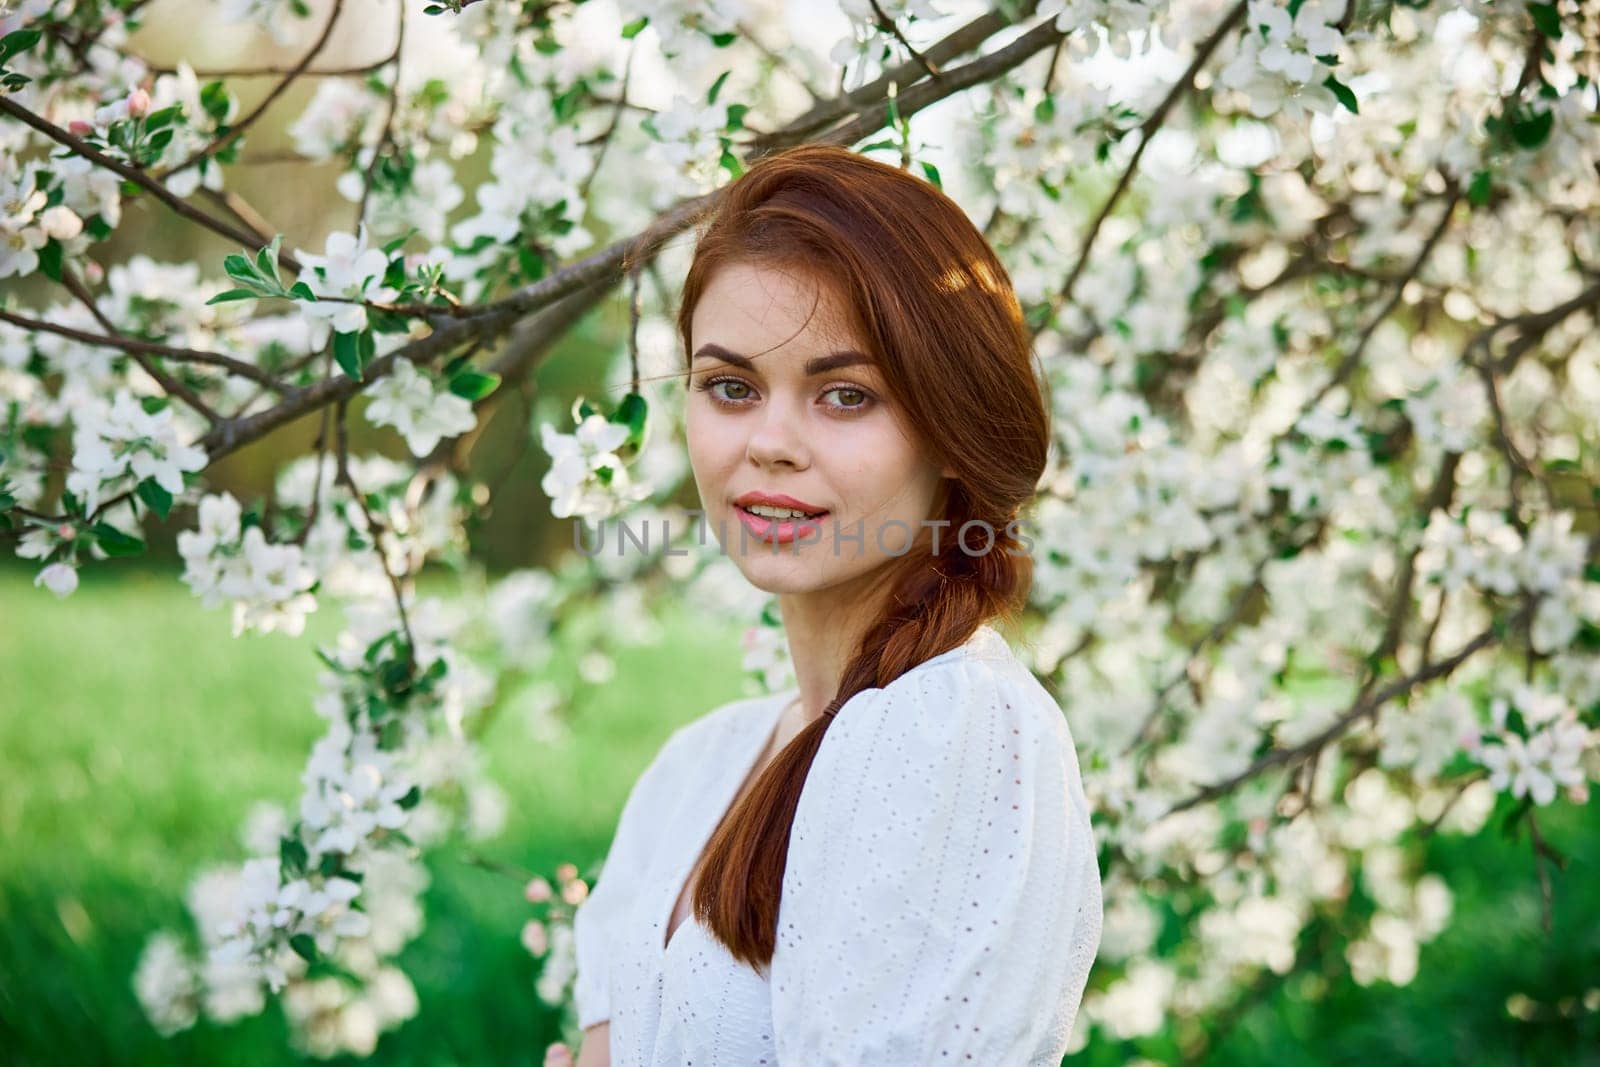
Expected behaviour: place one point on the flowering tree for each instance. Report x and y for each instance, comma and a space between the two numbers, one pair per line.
1314, 284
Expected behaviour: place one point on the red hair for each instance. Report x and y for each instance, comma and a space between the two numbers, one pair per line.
937, 314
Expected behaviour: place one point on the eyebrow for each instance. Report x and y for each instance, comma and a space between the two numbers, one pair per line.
814, 366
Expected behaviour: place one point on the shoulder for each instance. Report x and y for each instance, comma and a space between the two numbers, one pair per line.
727, 720
683, 760
981, 693
708, 734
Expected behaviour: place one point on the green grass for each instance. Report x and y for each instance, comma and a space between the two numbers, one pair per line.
135, 734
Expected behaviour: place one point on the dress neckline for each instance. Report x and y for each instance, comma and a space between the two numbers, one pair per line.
985, 640
751, 747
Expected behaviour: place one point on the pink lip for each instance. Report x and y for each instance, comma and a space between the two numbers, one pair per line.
781, 532
773, 530
776, 500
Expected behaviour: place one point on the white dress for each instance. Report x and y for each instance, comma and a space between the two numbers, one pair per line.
941, 899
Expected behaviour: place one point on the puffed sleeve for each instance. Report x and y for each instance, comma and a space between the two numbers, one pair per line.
941, 897
620, 875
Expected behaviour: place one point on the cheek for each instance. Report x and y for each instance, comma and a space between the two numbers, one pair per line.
710, 440
874, 464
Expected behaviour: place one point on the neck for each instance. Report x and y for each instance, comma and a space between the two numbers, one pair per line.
824, 627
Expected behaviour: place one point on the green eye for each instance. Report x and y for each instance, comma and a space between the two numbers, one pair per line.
710, 385
850, 399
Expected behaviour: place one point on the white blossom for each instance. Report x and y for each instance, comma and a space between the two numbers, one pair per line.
574, 484
167, 985
268, 584
420, 407
111, 443
349, 272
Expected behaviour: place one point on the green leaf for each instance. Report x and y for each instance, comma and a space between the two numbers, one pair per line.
530, 262
347, 353
1531, 132
1546, 19
158, 120
736, 113
632, 29
1342, 91
305, 946
114, 541
387, 321
267, 261
1045, 110
214, 98
474, 385
18, 42
302, 291
730, 162
413, 795
50, 260
1481, 186
633, 412
933, 174
292, 856
231, 295
391, 734
155, 497
716, 87
398, 243
1508, 827
240, 270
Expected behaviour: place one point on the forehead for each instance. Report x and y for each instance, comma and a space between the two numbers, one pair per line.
750, 308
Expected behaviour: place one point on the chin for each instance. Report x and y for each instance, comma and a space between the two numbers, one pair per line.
781, 575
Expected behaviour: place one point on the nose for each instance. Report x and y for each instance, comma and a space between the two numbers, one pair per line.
777, 438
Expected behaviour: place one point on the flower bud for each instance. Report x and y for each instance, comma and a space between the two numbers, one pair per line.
138, 103
61, 222
534, 937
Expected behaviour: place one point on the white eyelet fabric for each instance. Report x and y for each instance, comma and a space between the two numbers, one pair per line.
941, 899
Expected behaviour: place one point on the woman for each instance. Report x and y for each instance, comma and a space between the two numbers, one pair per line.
890, 862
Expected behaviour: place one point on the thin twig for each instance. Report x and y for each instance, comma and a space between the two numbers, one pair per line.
237, 129
133, 345
138, 177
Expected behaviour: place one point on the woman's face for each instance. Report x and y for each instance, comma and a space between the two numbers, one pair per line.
782, 407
